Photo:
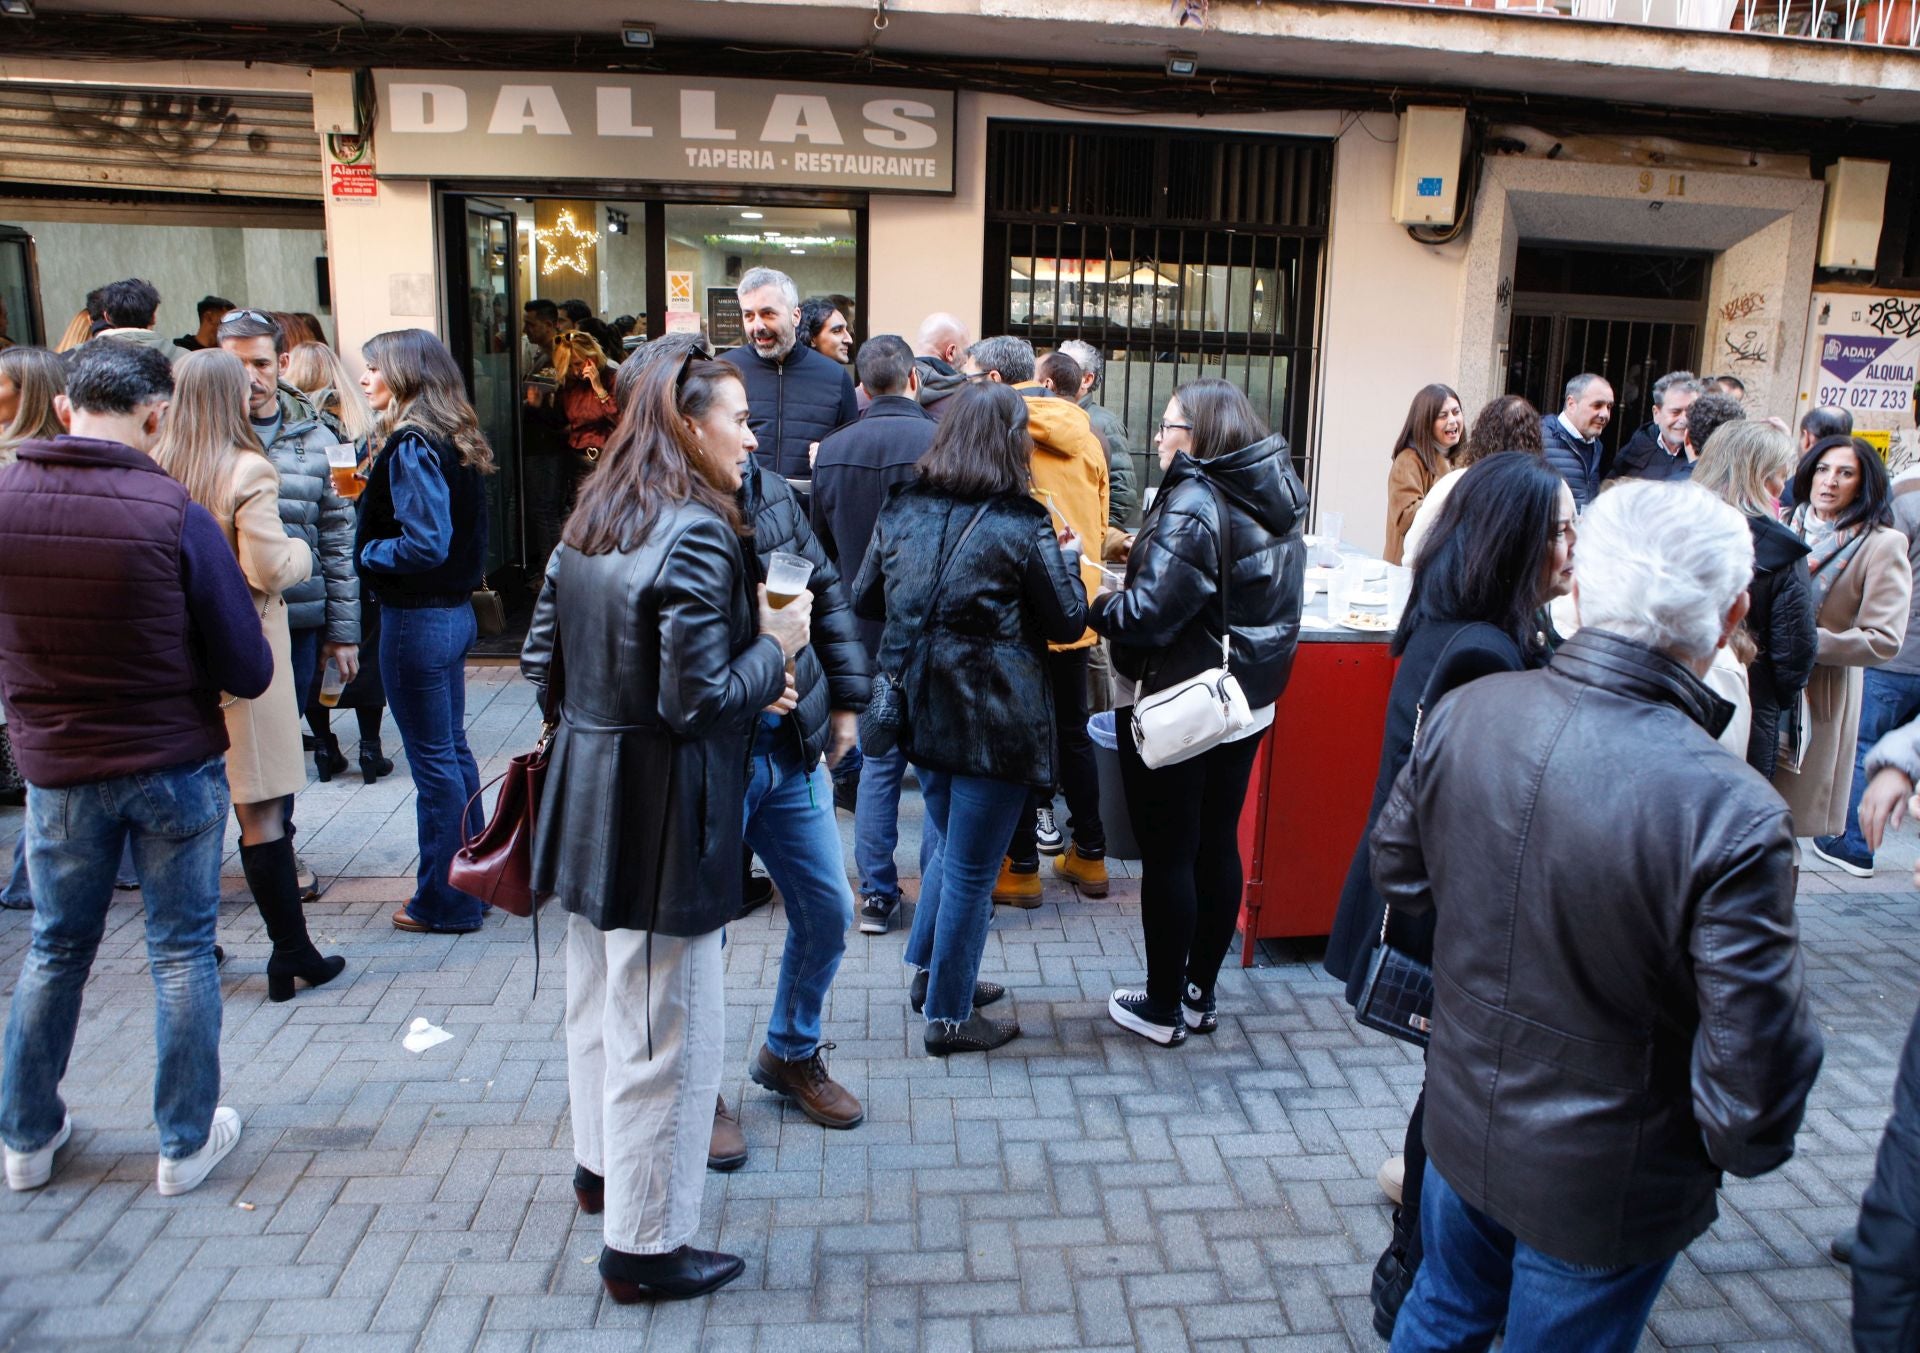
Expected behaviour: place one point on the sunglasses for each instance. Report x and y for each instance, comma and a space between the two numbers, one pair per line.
697, 352
573, 336
257, 315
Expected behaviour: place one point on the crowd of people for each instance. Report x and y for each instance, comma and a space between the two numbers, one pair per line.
773, 579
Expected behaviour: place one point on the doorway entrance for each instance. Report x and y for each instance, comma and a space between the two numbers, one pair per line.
1628, 315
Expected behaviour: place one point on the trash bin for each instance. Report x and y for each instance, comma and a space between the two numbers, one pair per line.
1113, 795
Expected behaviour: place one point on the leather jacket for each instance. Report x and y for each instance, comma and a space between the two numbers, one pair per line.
662, 673
1165, 625
1620, 1012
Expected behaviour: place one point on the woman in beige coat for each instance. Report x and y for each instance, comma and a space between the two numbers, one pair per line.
210, 447
1861, 588
1421, 457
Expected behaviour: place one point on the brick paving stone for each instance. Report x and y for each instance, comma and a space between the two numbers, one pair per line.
1076, 1189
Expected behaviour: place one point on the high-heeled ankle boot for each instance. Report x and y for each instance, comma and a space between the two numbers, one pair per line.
328, 759
373, 760
275, 885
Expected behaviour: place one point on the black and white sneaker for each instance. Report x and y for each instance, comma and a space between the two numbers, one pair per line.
1046, 834
1198, 1014
1129, 1010
877, 912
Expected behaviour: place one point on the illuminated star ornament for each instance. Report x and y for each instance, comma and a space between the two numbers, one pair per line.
565, 245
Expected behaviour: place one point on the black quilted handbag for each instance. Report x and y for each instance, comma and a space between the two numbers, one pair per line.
885, 716
1398, 996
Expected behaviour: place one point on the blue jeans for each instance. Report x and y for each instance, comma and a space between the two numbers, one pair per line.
17, 893
1475, 1274
972, 818
876, 825
423, 652
789, 824
175, 818
1887, 700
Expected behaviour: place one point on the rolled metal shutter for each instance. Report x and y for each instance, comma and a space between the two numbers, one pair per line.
171, 141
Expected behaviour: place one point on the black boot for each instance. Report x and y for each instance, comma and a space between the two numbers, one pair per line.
1393, 1274
275, 886
328, 759
373, 760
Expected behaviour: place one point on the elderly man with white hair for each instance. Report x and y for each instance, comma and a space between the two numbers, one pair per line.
1618, 1010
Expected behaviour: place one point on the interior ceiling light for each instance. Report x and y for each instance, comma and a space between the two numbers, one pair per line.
637, 35
752, 215
16, 9
1183, 65
796, 251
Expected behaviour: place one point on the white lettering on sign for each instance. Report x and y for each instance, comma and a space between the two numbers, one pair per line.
700, 157
427, 108
880, 166
699, 117
614, 108
897, 129
793, 116
528, 107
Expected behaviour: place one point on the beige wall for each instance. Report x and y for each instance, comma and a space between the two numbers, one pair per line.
386, 270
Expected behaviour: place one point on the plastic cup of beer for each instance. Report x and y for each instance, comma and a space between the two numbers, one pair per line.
331, 684
787, 576
342, 463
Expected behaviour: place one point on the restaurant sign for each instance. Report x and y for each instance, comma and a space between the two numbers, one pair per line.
768, 133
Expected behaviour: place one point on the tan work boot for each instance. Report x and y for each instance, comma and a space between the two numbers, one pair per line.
1089, 876
1017, 887
727, 1148
806, 1082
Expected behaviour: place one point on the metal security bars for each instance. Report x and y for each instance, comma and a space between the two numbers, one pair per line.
1177, 255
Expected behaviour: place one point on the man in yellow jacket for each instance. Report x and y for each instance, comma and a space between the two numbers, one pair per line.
1070, 477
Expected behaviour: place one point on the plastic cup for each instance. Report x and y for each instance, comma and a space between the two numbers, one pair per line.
787, 576
1331, 524
342, 461
1399, 587
331, 684
1339, 588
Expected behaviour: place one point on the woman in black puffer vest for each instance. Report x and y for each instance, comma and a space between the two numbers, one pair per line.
969, 649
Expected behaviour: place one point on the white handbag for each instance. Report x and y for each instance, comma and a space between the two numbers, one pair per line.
1189, 717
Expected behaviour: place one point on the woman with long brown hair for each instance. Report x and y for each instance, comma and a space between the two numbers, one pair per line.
1505, 423
421, 547
654, 660
1422, 454
210, 447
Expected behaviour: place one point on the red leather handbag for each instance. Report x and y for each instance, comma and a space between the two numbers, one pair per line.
497, 865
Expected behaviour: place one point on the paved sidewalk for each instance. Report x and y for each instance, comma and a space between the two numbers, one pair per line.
1077, 1189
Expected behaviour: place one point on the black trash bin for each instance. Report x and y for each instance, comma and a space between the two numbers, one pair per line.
1113, 795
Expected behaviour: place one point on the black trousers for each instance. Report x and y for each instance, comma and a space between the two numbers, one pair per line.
1186, 818
1073, 764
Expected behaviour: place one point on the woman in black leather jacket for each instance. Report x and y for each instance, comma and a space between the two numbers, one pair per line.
1499, 551
654, 659
969, 645
1166, 626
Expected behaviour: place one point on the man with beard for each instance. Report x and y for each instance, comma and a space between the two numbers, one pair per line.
795, 396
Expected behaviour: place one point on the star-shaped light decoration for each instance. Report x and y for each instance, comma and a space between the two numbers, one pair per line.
573, 253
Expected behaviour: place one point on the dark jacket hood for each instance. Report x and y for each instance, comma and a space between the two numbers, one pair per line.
1255, 478
1774, 546
938, 380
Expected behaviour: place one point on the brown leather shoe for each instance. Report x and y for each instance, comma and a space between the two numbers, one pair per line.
727, 1149
806, 1083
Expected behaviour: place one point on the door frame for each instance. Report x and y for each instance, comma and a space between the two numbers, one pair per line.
460, 338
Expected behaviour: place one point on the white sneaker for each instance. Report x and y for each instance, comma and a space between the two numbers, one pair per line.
32, 1169
182, 1176
1392, 1178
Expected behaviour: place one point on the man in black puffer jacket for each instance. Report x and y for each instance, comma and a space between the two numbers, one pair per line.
795, 395
789, 808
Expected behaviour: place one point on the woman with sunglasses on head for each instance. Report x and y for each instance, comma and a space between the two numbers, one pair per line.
654, 655
1227, 517
1501, 549
421, 548
583, 396
1862, 586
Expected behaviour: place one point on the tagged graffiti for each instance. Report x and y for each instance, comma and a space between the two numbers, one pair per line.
1749, 349
1743, 307
1895, 315
171, 127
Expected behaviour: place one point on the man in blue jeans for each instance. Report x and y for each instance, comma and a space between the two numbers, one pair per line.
123, 616
790, 823
1619, 1012
1889, 697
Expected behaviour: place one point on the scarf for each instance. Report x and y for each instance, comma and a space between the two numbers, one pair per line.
1833, 552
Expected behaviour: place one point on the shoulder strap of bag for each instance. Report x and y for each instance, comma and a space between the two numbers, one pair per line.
940, 578
1226, 572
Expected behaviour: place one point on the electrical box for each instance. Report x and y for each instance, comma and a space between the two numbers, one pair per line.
336, 112
1850, 222
1426, 169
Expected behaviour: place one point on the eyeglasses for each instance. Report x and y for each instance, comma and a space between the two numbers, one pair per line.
1164, 428
233, 315
573, 336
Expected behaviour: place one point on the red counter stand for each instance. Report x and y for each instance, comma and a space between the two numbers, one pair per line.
1312, 785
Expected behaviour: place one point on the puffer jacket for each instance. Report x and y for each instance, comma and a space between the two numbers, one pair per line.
792, 403
662, 673
1070, 475
1165, 625
972, 665
1576, 462
1620, 1012
831, 672
1781, 622
313, 512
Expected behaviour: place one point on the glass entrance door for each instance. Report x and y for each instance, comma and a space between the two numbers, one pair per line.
482, 316
20, 320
